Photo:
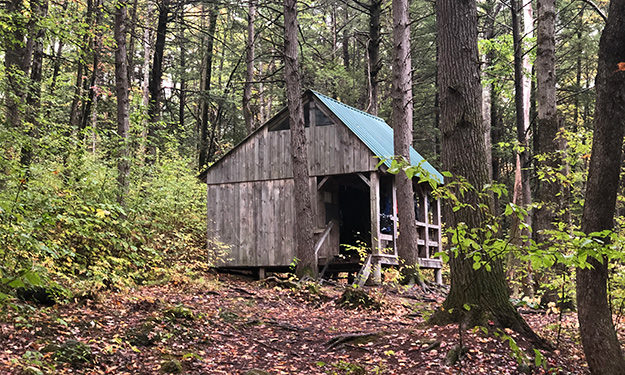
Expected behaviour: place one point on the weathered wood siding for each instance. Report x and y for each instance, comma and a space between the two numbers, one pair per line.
266, 155
256, 219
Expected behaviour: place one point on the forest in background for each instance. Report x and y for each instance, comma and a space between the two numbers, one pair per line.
87, 203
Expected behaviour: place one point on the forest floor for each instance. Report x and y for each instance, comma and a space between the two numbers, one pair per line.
224, 324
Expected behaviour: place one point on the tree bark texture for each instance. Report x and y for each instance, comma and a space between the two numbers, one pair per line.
522, 85
345, 42
74, 117
464, 154
601, 346
145, 82
16, 65
487, 90
205, 89
122, 87
182, 97
33, 95
303, 206
546, 191
156, 75
91, 86
402, 136
248, 115
373, 53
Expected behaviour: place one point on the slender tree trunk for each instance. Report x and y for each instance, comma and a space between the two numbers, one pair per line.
464, 154
487, 89
249, 75
145, 82
33, 96
92, 87
16, 63
73, 114
156, 76
373, 55
205, 89
56, 67
261, 94
522, 95
132, 26
601, 345
122, 87
546, 191
183, 72
345, 42
402, 138
299, 151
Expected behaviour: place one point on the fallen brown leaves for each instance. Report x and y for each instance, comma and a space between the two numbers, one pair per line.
238, 324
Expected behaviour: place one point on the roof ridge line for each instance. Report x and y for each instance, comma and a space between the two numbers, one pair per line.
349, 107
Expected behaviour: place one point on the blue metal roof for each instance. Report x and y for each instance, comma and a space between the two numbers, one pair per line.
373, 132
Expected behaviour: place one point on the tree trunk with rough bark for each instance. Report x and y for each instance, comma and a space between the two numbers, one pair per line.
16, 64
122, 87
91, 86
546, 191
248, 114
522, 89
402, 138
33, 95
156, 76
345, 41
205, 89
493, 8
373, 55
601, 345
145, 81
464, 154
182, 96
74, 117
299, 154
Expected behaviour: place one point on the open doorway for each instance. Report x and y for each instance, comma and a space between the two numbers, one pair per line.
355, 217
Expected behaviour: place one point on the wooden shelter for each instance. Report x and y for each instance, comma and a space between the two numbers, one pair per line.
251, 202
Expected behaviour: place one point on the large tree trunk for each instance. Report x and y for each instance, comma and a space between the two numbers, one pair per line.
601, 345
249, 74
122, 86
464, 154
156, 76
373, 55
402, 138
306, 262
205, 88
546, 191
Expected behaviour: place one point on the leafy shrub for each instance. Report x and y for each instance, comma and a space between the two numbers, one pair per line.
62, 223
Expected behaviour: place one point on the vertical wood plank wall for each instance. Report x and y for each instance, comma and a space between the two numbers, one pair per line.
255, 219
267, 156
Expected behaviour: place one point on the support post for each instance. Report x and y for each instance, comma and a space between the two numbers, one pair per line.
376, 244
426, 220
438, 276
395, 217
438, 273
